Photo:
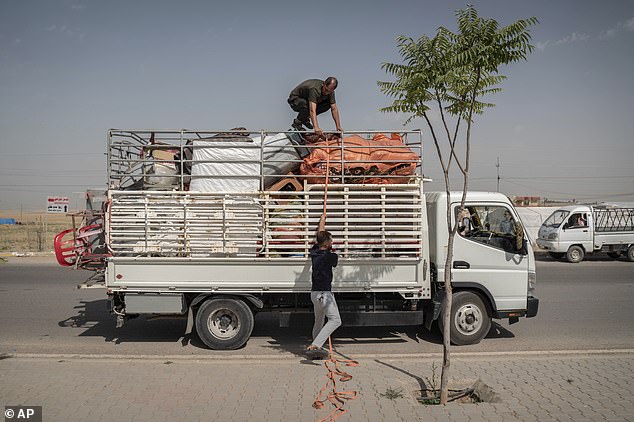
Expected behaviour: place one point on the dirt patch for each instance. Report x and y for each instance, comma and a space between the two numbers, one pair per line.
461, 393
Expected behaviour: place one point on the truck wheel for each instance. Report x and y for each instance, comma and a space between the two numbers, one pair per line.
224, 324
556, 255
614, 255
470, 321
575, 254
630, 253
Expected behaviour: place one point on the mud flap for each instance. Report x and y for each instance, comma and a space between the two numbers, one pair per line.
432, 310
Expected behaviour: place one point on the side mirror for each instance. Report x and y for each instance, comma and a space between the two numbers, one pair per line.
524, 249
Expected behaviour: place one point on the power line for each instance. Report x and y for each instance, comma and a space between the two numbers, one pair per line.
51, 154
580, 196
45, 186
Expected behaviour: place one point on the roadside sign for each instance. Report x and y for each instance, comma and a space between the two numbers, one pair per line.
58, 204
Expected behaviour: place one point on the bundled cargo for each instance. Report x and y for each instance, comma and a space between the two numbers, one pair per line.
378, 160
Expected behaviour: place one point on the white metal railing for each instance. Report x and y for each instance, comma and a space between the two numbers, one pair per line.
378, 221
164, 159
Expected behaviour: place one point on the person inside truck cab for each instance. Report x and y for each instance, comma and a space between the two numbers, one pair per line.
464, 222
507, 226
576, 220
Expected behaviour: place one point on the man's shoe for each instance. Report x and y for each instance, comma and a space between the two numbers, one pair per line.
316, 353
308, 124
297, 125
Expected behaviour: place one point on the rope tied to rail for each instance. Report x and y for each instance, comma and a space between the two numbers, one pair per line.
332, 364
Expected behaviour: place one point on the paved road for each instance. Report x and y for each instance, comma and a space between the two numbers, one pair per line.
584, 306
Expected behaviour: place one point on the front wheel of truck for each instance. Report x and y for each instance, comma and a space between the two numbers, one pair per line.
470, 320
224, 323
630, 253
575, 254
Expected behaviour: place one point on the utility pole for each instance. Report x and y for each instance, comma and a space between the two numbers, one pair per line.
498, 169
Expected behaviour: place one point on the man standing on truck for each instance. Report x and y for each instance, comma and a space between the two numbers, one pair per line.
311, 98
323, 259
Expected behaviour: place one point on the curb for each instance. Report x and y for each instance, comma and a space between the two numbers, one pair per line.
285, 356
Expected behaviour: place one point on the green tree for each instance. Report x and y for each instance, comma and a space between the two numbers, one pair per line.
452, 74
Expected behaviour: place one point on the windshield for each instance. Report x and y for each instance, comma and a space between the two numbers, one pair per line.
556, 218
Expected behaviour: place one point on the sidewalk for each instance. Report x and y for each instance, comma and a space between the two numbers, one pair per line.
586, 386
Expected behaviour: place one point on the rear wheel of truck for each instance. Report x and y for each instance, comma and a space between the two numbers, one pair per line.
470, 320
630, 253
224, 324
556, 255
575, 254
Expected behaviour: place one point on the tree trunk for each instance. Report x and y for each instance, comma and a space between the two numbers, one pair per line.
446, 317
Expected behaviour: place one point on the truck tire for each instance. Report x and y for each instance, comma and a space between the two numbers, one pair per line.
224, 324
575, 254
630, 253
470, 320
556, 255
614, 255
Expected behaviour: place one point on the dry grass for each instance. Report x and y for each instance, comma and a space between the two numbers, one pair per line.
36, 232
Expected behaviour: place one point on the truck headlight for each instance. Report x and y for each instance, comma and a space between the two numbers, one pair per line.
532, 281
552, 236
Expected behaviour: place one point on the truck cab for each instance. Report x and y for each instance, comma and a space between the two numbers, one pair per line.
492, 263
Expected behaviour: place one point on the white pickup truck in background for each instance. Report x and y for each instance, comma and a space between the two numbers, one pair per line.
575, 231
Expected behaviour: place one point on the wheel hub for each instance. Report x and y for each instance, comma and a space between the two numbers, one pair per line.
468, 319
223, 324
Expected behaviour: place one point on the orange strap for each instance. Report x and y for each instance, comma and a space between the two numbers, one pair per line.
327, 175
337, 398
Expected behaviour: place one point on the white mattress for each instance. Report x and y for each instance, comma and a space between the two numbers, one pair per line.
229, 176
226, 175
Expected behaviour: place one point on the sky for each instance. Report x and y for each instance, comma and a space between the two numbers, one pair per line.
562, 127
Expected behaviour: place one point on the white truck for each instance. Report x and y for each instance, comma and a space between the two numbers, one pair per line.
218, 257
577, 230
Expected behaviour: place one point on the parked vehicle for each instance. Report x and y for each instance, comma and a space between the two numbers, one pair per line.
219, 257
575, 231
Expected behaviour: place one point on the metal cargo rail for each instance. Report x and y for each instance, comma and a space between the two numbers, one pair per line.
376, 221
614, 219
159, 159
259, 205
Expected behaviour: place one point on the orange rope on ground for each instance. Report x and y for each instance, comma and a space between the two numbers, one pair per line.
337, 398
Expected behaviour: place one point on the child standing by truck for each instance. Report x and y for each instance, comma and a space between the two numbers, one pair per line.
325, 306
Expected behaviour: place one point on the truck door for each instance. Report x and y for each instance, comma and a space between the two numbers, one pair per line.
576, 231
486, 253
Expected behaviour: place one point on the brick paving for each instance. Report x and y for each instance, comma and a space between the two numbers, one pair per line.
531, 387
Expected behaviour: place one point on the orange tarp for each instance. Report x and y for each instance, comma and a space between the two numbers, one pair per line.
365, 160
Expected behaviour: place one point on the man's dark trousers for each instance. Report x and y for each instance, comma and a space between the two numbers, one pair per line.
300, 105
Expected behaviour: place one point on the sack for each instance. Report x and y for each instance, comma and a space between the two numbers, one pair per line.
281, 155
161, 176
376, 161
